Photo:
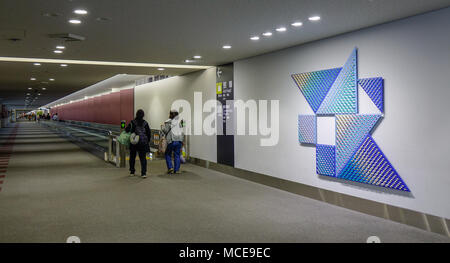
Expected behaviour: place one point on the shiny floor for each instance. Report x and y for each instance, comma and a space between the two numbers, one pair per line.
52, 189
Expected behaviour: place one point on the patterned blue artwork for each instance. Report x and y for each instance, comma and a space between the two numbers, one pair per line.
307, 129
374, 87
315, 85
355, 157
343, 95
351, 129
370, 166
325, 160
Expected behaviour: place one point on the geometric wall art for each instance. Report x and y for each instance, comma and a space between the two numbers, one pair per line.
307, 129
325, 160
369, 165
351, 130
355, 156
343, 94
374, 87
315, 85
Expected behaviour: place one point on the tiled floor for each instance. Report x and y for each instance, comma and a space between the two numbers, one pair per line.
55, 190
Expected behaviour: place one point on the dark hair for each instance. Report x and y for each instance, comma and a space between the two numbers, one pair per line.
140, 115
173, 114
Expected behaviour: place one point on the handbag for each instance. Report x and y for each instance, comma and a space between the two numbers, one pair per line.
162, 145
124, 137
134, 138
163, 142
183, 155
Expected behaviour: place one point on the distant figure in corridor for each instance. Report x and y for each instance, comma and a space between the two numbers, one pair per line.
141, 128
173, 130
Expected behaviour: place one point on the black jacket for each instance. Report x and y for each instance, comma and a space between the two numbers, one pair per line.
141, 146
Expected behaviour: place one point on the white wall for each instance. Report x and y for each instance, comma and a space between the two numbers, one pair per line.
413, 56
156, 98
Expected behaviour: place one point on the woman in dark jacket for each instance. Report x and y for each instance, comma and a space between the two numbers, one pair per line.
141, 128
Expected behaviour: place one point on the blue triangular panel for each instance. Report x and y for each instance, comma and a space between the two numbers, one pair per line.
315, 85
374, 87
351, 129
370, 166
343, 95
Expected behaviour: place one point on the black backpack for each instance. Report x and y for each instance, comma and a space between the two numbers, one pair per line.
140, 131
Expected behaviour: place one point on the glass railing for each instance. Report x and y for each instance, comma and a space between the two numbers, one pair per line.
100, 139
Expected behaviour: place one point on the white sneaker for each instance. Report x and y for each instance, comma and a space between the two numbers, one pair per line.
144, 176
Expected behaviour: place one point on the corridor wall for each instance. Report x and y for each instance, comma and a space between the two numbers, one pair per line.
105, 109
413, 57
156, 98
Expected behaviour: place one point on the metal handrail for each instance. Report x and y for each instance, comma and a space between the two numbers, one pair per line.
114, 152
88, 127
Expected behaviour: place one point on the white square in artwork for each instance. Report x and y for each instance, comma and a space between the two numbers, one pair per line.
326, 130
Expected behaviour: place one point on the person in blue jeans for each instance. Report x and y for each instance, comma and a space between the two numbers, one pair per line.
173, 130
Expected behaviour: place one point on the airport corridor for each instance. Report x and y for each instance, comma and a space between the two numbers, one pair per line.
52, 189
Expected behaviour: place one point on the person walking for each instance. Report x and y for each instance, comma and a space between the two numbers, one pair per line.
173, 130
141, 128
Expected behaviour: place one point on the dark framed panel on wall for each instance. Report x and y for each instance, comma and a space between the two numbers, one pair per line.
225, 94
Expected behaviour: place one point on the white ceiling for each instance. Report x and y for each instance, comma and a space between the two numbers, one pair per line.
168, 31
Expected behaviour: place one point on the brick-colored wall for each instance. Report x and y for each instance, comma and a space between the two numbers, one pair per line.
105, 109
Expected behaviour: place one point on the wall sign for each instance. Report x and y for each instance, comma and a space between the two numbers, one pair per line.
355, 155
225, 94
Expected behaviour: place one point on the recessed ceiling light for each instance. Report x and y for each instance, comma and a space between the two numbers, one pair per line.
75, 21
254, 38
197, 57
44, 88
267, 34
160, 69
58, 51
314, 18
188, 61
226, 47
281, 29
80, 12
33, 79
29, 88
51, 79
60, 47
63, 65
297, 24
37, 64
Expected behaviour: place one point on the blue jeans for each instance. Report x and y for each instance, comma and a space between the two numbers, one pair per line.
175, 148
